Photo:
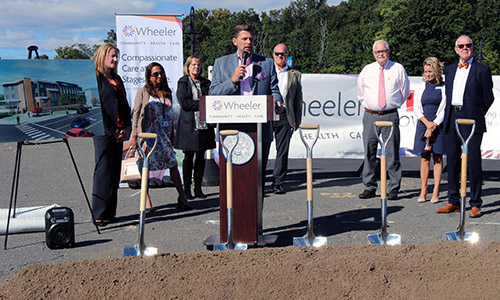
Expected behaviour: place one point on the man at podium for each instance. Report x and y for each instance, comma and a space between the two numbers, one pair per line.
247, 73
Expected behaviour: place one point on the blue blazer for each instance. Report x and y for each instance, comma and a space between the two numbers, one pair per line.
478, 94
265, 82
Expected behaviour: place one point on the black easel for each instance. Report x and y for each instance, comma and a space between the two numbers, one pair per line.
15, 181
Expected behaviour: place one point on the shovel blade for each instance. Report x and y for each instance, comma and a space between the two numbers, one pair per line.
391, 239
225, 246
315, 241
468, 236
135, 251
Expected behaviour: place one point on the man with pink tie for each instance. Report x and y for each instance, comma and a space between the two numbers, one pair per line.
383, 87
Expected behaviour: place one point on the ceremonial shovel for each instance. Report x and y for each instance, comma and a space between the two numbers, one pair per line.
140, 248
229, 245
383, 237
460, 234
309, 239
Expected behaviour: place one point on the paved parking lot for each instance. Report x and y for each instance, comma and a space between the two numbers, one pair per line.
47, 176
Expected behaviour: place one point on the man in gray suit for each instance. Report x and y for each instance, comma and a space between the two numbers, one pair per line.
255, 76
289, 118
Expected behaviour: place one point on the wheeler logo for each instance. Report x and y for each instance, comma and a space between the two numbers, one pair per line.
217, 105
128, 30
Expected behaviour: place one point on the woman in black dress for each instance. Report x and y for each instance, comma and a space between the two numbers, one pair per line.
108, 147
429, 105
193, 136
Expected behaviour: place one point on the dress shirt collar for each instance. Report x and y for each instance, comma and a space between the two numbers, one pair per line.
285, 69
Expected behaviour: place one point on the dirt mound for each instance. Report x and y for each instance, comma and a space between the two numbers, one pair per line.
445, 270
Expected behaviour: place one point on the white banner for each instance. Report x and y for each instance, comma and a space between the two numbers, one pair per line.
236, 109
330, 101
143, 39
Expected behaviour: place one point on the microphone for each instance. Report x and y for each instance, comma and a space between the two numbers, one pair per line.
244, 56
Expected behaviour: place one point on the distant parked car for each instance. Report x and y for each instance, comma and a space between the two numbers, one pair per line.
78, 132
80, 122
36, 110
82, 109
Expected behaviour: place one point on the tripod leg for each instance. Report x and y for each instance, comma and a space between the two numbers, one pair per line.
81, 184
13, 192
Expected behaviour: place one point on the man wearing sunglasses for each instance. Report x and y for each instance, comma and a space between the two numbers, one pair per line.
469, 95
290, 116
383, 87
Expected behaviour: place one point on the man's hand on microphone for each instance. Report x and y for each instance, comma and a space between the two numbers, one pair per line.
239, 72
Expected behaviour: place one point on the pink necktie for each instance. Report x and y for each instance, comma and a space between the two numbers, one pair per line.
381, 88
246, 81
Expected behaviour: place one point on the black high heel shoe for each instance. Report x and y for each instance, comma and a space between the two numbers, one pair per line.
183, 206
199, 194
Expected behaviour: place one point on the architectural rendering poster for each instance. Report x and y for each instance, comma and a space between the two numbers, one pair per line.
48, 99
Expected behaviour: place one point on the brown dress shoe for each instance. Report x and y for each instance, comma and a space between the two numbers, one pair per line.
448, 208
475, 212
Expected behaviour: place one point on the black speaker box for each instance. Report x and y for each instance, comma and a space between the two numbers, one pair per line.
59, 228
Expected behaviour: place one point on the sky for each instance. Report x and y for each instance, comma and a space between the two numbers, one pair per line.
49, 24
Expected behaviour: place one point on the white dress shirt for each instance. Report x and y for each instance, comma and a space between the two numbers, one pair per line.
282, 81
397, 85
457, 98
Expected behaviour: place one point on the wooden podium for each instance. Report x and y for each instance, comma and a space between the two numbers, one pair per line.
247, 114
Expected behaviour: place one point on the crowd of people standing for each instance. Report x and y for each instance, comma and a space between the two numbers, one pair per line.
382, 88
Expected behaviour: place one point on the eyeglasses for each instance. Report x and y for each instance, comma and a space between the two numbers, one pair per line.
280, 53
461, 46
381, 51
156, 74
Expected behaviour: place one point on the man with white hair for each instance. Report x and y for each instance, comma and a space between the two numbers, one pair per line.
469, 95
383, 87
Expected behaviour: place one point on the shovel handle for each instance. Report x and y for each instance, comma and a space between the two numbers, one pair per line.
147, 135
229, 185
228, 132
383, 123
383, 176
144, 187
309, 168
463, 176
466, 121
309, 126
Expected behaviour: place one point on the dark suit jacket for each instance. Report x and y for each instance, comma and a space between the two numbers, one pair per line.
478, 94
293, 99
109, 105
187, 137
265, 82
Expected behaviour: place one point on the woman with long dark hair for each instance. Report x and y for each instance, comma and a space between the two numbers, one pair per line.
153, 113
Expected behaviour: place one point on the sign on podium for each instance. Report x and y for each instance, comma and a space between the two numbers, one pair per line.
245, 114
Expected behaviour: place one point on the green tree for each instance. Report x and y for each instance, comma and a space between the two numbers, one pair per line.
64, 99
81, 99
94, 101
111, 37
76, 51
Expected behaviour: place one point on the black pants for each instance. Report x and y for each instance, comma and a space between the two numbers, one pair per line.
474, 166
199, 167
282, 133
108, 158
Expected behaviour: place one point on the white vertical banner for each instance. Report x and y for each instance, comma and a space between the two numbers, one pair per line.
143, 39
